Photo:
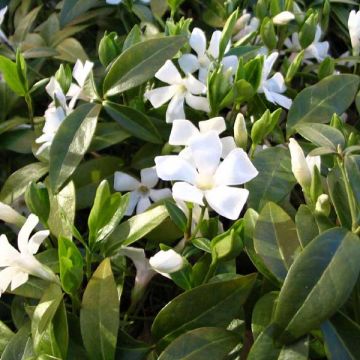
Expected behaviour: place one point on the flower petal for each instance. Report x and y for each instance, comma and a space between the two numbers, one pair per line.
313, 161
198, 102
194, 86
182, 131
125, 182
36, 240
198, 41
187, 192
167, 262
159, 194
8, 253
168, 73
18, 279
175, 168
189, 63
206, 151
175, 109
161, 95
230, 62
149, 177
81, 71
216, 124
6, 275
276, 83
236, 169
143, 204
24, 233
228, 144
279, 99
214, 45
133, 200
227, 201
299, 165
268, 65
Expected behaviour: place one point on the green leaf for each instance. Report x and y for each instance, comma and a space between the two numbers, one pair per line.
352, 166
135, 228
72, 9
275, 240
227, 32
9, 70
318, 283
32, 289
17, 182
341, 336
275, 179
71, 265
134, 122
140, 62
213, 304
99, 314
201, 344
17, 346
37, 200
322, 135
318, 103
71, 142
306, 225
176, 215
5, 336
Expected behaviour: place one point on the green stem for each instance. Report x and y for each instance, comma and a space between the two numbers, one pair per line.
88, 260
210, 272
30, 109
187, 234
197, 228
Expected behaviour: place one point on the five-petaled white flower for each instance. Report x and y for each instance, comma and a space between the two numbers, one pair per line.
179, 90
59, 108
184, 131
190, 63
273, 87
166, 262
18, 265
301, 166
354, 31
316, 50
206, 177
141, 192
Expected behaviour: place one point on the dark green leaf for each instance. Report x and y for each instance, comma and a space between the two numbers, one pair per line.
176, 215
352, 165
306, 225
72, 9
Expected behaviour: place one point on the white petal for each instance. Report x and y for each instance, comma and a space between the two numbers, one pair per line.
9, 215
182, 131
8, 253
198, 41
6, 275
268, 65
175, 168
168, 73
113, 2
187, 192
194, 86
206, 151
2, 14
81, 71
230, 62
319, 51
276, 98
216, 124
159, 194
299, 165
20, 278
175, 109
133, 200
276, 83
143, 204
149, 177
203, 73
227, 201
167, 262
161, 95
214, 45
283, 18
228, 144
198, 102
36, 240
25, 231
236, 169
313, 161
189, 63
125, 182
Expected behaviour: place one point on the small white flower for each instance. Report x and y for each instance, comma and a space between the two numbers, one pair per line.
9, 215
245, 26
354, 31
179, 90
167, 262
190, 63
204, 176
18, 265
273, 87
283, 18
141, 192
317, 50
184, 131
302, 168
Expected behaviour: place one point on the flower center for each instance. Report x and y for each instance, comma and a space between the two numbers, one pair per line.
203, 61
204, 182
144, 190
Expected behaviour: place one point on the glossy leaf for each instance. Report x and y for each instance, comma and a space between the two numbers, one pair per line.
9, 70
99, 315
72, 9
140, 62
71, 142
306, 225
318, 283
201, 344
5, 336
176, 215
352, 165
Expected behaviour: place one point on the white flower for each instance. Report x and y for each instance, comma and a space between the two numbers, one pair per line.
273, 87
59, 109
167, 262
354, 31
141, 192
317, 50
283, 18
206, 177
9, 215
245, 26
179, 90
184, 131
3, 12
18, 265
190, 63
302, 168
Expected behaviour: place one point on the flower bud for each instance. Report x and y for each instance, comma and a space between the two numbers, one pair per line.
308, 30
167, 262
354, 31
283, 18
108, 48
9, 215
322, 206
240, 131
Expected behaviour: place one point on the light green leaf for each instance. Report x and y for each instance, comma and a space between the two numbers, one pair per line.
9, 70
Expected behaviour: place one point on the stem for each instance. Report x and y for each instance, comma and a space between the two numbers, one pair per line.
197, 228
210, 272
187, 234
88, 259
30, 109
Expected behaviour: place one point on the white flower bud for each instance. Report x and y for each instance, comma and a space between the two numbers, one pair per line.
283, 18
323, 205
240, 131
167, 262
354, 31
9, 215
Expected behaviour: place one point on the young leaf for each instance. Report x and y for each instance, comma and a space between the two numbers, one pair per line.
10, 73
99, 315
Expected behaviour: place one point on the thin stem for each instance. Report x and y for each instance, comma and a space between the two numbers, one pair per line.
88, 260
30, 109
197, 228
187, 234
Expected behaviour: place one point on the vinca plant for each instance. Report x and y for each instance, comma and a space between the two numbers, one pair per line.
180, 179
